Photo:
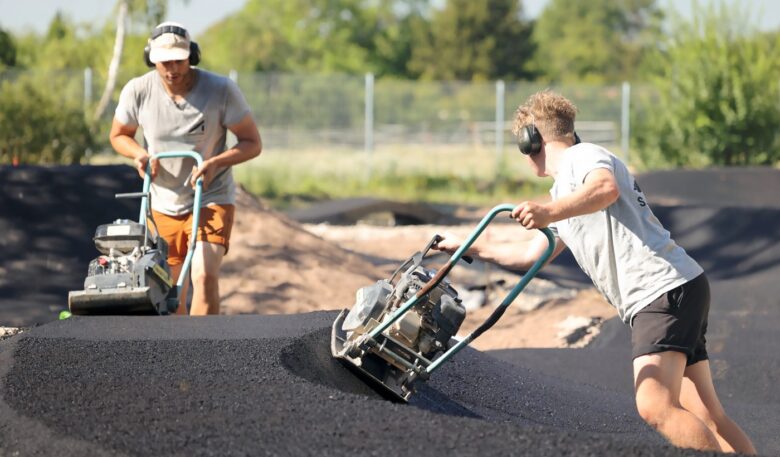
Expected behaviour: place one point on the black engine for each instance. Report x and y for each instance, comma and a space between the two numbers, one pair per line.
428, 326
130, 276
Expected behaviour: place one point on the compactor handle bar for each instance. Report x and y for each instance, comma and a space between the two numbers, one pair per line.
195, 206
497, 313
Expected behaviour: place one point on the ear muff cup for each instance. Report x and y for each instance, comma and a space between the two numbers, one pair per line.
529, 140
194, 58
194, 53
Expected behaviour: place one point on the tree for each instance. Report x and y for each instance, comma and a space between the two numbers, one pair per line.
596, 41
473, 40
390, 40
718, 93
37, 126
150, 12
64, 46
315, 36
7, 50
113, 67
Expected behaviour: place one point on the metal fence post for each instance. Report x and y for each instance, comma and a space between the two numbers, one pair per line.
87, 87
500, 91
625, 128
368, 128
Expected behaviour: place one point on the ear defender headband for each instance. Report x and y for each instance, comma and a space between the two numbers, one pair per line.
194, 58
529, 140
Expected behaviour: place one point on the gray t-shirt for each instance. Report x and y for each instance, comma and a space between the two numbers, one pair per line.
199, 123
623, 248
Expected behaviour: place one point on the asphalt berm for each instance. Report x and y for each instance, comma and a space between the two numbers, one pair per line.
263, 385
266, 385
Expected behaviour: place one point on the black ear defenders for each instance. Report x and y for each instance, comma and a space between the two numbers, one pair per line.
194, 48
529, 140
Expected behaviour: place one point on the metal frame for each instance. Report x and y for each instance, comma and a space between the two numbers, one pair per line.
173, 298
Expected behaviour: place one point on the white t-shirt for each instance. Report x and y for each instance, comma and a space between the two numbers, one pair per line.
199, 123
623, 248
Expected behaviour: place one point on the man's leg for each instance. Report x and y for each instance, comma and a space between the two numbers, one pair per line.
206, 261
698, 396
175, 270
657, 383
173, 229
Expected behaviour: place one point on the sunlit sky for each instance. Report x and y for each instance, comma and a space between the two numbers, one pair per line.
197, 15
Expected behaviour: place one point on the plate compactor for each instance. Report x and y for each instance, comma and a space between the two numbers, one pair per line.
400, 330
131, 275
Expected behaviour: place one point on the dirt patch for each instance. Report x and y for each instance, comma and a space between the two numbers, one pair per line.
277, 266
557, 324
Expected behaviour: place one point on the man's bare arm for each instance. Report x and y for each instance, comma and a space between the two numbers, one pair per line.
599, 190
249, 146
513, 256
122, 138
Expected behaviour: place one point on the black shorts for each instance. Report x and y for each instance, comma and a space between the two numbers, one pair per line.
675, 321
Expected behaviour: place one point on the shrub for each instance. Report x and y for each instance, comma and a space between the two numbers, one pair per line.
717, 99
38, 127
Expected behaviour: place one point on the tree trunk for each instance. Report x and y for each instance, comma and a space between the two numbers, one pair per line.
113, 67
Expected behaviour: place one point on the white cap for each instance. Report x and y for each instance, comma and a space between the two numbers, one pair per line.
172, 44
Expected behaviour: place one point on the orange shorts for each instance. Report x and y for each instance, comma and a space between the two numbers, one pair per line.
216, 222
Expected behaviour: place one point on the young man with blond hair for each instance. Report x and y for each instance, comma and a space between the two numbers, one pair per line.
599, 212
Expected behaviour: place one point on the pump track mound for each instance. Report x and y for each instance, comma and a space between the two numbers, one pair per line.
266, 384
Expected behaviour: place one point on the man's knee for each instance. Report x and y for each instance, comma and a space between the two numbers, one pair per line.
206, 262
653, 411
204, 278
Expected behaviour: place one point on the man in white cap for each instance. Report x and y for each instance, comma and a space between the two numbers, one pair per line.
184, 108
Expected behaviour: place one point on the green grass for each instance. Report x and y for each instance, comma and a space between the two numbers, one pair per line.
436, 174
440, 174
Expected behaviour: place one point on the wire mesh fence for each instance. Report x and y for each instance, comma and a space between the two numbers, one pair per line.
382, 124
313, 111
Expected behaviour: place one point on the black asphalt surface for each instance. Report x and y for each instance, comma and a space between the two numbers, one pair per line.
729, 221
48, 216
349, 211
266, 385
